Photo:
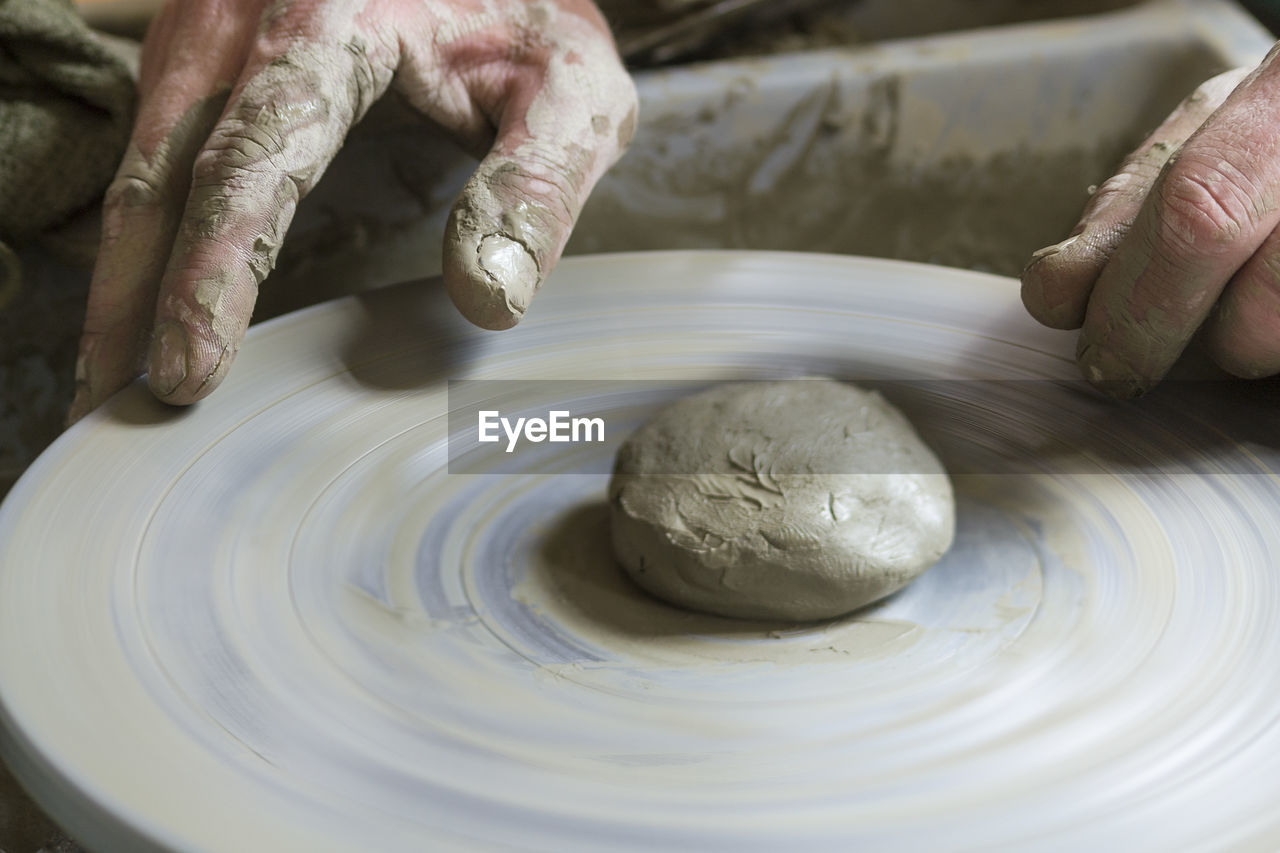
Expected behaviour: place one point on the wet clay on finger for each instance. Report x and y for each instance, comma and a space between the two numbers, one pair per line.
797, 499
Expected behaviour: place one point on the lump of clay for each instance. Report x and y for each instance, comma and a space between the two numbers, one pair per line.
798, 499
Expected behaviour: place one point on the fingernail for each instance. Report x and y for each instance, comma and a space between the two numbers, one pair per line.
511, 271
1109, 374
168, 359
1049, 251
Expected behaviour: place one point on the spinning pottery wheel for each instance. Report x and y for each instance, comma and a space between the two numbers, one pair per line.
278, 621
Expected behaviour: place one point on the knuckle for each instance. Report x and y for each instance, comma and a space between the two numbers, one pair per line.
1265, 275
1211, 93
546, 181
1146, 164
1215, 90
290, 118
1203, 207
1130, 184
211, 164
133, 190
229, 157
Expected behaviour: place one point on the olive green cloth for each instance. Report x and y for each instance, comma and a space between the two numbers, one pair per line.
66, 108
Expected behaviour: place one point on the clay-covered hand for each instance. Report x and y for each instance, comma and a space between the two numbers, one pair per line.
243, 103
1183, 239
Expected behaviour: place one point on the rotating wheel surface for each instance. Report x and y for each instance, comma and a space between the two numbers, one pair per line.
277, 621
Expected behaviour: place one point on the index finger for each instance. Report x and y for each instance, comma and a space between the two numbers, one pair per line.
283, 125
182, 91
1208, 212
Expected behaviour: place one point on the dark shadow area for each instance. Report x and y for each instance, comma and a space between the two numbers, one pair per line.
1069, 427
409, 336
137, 406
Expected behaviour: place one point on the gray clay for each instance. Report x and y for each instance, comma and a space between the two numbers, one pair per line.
799, 499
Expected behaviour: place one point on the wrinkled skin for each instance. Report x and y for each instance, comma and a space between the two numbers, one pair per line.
1181, 240
243, 103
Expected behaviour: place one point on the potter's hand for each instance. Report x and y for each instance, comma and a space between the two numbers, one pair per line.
244, 102
1183, 238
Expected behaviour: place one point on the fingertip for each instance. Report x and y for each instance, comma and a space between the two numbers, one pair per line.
1241, 335
1109, 373
490, 314
1032, 293
1056, 283
1231, 349
1243, 369
185, 367
169, 364
491, 278
109, 358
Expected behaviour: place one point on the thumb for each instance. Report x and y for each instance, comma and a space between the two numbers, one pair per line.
560, 130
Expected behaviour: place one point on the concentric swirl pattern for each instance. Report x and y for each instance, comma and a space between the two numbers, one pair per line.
277, 621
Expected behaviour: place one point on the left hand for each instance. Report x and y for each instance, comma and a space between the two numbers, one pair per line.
242, 105
1183, 238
